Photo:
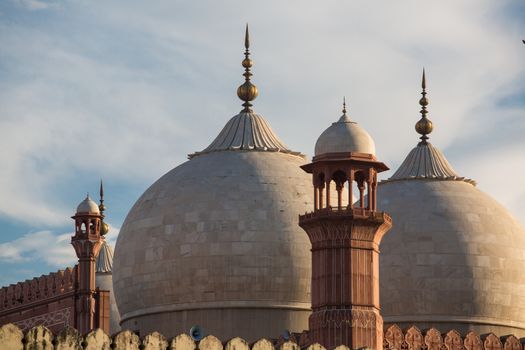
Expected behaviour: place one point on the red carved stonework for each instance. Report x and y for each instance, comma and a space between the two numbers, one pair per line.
473, 341
433, 339
345, 252
394, 337
49, 300
414, 338
491, 342
453, 340
511, 343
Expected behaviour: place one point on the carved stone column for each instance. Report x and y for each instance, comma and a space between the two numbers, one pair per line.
345, 280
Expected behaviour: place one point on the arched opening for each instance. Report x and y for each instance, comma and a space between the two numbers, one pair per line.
360, 180
318, 191
339, 177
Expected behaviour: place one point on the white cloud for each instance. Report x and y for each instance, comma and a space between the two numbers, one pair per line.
46, 247
34, 5
126, 92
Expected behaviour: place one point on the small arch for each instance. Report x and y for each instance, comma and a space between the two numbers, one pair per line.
318, 191
360, 179
339, 177
320, 179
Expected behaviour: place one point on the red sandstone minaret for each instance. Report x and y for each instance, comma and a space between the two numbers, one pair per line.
87, 242
345, 239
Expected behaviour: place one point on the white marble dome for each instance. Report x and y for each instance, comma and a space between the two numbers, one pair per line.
216, 241
88, 206
345, 135
454, 258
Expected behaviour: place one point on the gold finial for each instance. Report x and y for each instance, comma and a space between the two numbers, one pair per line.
247, 91
424, 125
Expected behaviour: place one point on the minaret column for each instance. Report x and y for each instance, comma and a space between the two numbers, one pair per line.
345, 276
87, 242
345, 250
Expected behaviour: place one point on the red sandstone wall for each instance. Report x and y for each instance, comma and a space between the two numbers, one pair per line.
47, 300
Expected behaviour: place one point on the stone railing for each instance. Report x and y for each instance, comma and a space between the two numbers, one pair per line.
413, 339
38, 289
41, 338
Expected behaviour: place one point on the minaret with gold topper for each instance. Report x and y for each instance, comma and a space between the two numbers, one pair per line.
87, 241
345, 238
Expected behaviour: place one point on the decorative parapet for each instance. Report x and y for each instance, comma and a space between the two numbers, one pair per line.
413, 339
38, 289
40, 337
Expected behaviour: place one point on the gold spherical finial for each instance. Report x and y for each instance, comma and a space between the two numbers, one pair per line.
104, 228
247, 91
247, 63
424, 125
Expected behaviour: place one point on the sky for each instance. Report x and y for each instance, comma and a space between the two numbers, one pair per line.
124, 90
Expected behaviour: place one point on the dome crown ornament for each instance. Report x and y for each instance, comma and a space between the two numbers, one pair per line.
247, 91
344, 118
426, 162
424, 125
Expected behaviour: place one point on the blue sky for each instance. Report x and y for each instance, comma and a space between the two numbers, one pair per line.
124, 90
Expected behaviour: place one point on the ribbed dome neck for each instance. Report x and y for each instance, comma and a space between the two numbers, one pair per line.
426, 162
247, 131
105, 259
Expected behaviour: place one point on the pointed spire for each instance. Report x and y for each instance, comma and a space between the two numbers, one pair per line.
104, 229
247, 39
424, 125
344, 118
247, 91
101, 206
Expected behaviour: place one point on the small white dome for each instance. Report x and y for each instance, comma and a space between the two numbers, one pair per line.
345, 136
88, 206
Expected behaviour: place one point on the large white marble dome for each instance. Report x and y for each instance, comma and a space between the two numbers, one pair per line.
215, 242
454, 258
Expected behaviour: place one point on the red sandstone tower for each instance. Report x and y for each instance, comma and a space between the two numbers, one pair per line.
345, 239
87, 242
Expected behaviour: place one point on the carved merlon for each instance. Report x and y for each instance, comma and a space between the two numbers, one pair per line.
395, 338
